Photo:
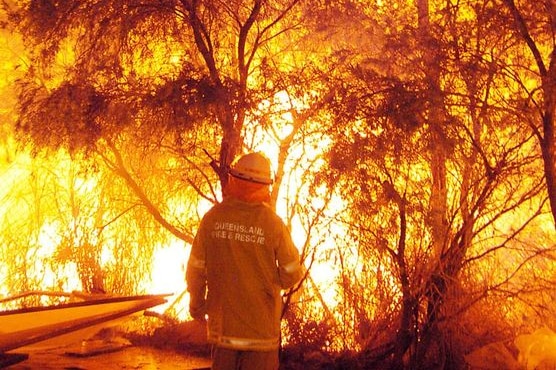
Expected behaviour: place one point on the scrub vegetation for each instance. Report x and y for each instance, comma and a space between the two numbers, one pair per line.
414, 150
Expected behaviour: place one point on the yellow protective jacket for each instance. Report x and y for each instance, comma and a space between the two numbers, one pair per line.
241, 258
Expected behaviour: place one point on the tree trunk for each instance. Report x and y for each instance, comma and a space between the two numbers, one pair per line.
404, 335
547, 138
548, 145
440, 278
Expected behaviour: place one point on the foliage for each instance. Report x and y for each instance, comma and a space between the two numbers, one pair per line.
412, 145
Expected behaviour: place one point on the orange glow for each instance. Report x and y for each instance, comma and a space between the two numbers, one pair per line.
168, 277
120, 219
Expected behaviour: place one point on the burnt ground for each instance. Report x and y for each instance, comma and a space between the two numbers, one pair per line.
176, 346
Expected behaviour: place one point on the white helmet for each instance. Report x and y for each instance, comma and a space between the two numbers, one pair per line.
254, 167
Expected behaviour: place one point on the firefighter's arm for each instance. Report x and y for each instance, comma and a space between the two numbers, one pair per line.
197, 287
196, 278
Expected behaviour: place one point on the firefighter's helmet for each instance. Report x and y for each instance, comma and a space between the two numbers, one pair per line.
254, 167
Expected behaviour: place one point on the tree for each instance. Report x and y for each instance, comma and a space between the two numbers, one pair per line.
534, 25
135, 82
435, 162
176, 66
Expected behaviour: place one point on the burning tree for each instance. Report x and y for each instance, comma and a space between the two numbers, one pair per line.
435, 152
143, 89
129, 82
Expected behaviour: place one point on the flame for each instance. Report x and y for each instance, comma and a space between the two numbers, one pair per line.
168, 277
303, 162
299, 204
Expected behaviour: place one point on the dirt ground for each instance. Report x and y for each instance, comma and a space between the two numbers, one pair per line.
169, 347
128, 357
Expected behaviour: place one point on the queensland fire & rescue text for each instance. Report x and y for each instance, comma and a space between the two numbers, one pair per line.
238, 232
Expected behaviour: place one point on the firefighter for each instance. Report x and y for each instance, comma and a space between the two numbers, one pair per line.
241, 258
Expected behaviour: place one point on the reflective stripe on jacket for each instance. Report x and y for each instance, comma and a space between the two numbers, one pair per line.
243, 253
